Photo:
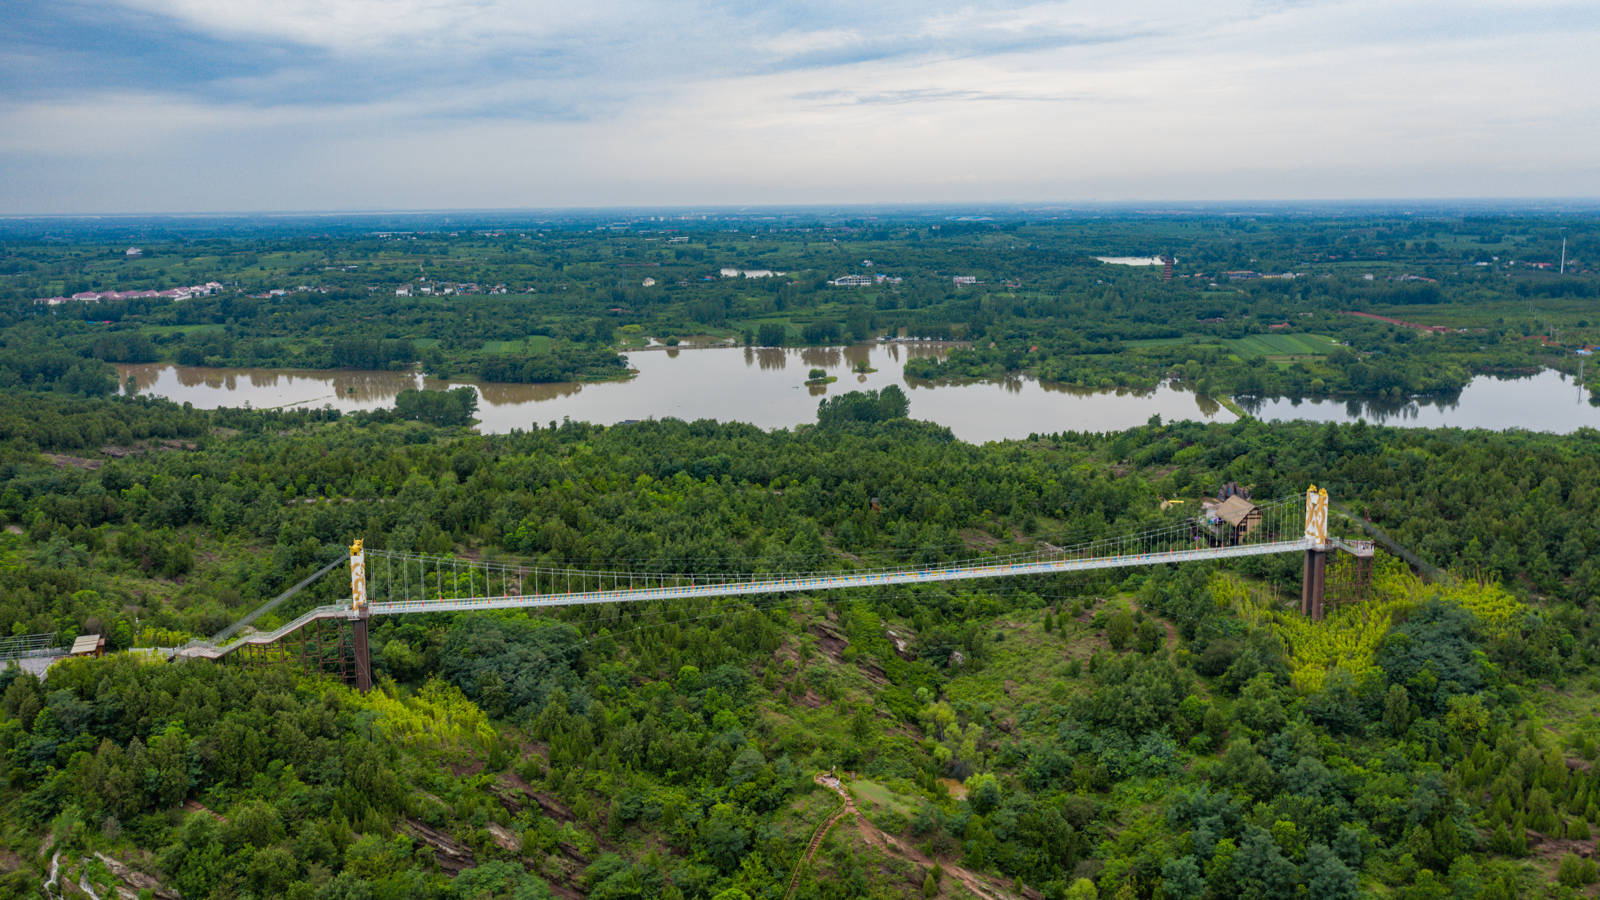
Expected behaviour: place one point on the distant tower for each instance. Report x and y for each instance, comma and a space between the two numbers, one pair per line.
1563, 256
1166, 268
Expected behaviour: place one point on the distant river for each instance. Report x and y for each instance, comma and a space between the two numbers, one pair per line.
765, 387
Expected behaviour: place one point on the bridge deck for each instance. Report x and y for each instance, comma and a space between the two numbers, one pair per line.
834, 582
204, 650
840, 581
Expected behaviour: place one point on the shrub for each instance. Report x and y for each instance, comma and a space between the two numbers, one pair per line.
1570, 872
1119, 630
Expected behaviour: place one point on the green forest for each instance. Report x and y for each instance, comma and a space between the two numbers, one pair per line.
1265, 305
1176, 731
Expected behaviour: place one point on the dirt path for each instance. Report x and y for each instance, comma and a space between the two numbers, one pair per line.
827, 781
1172, 630
979, 885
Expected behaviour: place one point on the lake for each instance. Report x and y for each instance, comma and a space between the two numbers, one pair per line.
766, 387
762, 386
1549, 401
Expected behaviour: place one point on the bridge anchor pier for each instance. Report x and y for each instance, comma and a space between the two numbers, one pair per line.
363, 651
1313, 584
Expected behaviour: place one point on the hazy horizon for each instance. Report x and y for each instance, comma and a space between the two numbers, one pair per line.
1554, 205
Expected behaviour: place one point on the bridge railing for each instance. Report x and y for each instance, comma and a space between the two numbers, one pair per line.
208, 650
398, 577
399, 581
29, 646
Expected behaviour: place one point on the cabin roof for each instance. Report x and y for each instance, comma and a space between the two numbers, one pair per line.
86, 643
1235, 510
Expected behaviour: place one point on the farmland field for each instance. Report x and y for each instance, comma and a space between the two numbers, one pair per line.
533, 343
1260, 345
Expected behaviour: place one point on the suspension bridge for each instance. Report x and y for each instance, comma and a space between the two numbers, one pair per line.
390, 582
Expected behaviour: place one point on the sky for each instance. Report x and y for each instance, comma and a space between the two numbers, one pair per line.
126, 106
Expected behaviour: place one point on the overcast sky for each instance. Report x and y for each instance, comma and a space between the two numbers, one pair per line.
236, 105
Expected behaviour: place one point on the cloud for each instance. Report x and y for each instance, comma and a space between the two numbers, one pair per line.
929, 95
368, 25
180, 104
791, 44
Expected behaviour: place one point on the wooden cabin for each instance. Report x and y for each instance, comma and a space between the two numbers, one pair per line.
1231, 521
89, 645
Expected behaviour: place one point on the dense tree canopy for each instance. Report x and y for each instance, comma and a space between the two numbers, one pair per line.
1175, 731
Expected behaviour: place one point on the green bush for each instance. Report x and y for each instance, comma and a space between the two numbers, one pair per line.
1570, 871
1119, 630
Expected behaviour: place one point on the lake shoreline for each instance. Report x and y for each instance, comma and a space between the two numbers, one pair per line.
750, 384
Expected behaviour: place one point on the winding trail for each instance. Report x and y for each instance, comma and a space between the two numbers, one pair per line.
848, 806
979, 885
